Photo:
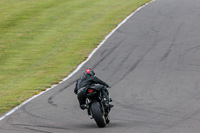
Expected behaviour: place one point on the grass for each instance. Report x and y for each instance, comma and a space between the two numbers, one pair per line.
43, 41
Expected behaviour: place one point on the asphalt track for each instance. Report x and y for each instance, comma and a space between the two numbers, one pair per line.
152, 63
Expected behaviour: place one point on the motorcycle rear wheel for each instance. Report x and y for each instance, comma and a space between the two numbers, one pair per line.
98, 115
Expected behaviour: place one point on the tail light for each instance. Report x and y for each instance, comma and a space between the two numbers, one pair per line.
90, 90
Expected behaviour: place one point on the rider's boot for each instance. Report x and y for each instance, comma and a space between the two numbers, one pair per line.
84, 106
106, 98
106, 102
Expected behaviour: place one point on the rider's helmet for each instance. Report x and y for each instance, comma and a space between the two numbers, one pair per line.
89, 71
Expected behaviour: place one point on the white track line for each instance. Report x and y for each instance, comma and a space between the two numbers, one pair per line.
78, 68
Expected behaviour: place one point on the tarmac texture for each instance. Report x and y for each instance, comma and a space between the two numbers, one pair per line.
152, 63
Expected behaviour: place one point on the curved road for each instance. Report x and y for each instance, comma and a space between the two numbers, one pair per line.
152, 63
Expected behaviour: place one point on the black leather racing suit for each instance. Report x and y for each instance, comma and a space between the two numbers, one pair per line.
84, 83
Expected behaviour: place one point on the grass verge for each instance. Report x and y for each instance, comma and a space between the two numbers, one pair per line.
43, 41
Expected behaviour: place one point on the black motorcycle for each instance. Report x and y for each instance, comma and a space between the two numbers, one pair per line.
96, 106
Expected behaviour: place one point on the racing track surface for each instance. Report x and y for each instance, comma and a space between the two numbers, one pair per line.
152, 63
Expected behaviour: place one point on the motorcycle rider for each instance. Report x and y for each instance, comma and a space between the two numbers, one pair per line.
87, 80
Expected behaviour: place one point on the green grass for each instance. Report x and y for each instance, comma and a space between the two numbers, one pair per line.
41, 41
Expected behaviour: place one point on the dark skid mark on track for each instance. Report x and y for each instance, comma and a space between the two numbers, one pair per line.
50, 99
36, 126
27, 127
109, 63
125, 60
33, 115
137, 62
166, 55
195, 49
172, 44
107, 54
37, 130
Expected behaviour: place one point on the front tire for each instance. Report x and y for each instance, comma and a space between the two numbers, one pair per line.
98, 115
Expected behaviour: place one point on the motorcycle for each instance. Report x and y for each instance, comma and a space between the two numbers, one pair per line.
96, 106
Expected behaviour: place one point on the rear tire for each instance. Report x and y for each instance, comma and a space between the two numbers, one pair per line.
98, 115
